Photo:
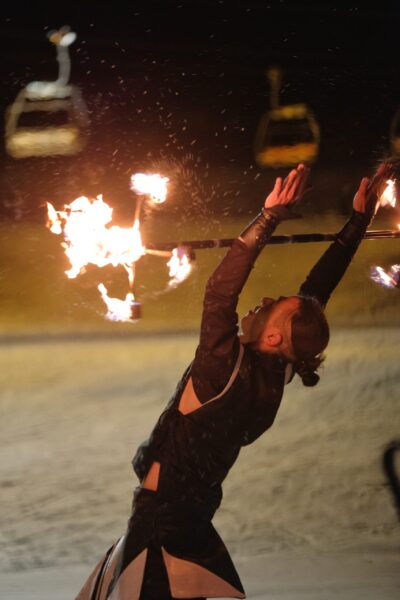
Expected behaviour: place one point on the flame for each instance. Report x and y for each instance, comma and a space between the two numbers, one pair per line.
90, 239
54, 223
389, 279
117, 310
153, 185
389, 194
179, 266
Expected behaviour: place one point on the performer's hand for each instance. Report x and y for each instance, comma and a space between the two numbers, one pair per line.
367, 198
291, 189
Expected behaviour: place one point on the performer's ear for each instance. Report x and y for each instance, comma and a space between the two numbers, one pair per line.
271, 338
274, 337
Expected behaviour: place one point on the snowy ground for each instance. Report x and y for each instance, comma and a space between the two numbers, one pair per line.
306, 512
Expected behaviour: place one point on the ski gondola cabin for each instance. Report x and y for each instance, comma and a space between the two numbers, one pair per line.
287, 135
46, 120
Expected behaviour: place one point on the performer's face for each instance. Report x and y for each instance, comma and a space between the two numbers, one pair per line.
249, 318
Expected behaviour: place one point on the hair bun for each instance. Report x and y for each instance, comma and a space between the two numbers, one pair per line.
306, 370
310, 379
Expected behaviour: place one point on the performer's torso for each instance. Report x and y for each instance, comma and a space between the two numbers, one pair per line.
197, 450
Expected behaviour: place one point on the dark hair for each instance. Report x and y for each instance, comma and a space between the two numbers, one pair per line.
393, 161
310, 337
306, 370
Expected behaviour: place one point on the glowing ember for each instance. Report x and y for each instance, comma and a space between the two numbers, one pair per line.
179, 266
122, 311
389, 279
153, 185
90, 239
389, 194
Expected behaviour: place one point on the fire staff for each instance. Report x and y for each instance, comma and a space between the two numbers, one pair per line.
227, 397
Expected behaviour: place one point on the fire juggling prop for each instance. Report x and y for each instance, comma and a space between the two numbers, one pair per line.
391, 277
90, 238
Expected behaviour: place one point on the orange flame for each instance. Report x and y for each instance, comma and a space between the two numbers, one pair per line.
117, 310
88, 239
388, 196
153, 185
54, 222
389, 279
179, 266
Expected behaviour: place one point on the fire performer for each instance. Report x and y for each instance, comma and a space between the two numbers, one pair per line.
226, 399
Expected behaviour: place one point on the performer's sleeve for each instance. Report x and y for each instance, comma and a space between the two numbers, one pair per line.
329, 270
218, 347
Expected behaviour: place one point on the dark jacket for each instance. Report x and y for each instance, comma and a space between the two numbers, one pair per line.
236, 394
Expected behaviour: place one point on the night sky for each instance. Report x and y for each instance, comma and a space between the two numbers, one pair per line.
183, 83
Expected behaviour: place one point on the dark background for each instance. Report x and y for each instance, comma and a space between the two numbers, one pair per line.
180, 87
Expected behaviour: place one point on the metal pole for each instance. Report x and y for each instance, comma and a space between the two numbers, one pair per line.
296, 238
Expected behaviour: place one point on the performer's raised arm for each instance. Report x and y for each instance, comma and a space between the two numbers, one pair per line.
329, 270
219, 343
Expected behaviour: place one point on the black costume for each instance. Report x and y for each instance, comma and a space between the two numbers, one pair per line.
171, 549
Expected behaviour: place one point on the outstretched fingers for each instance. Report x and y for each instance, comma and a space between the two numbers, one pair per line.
365, 182
290, 181
302, 186
289, 190
360, 199
297, 182
278, 186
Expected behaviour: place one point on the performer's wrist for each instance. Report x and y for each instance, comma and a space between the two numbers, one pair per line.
280, 212
256, 234
354, 229
364, 219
